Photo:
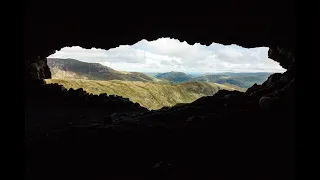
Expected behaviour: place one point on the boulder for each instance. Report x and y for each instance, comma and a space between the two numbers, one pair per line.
165, 108
103, 95
271, 79
71, 90
253, 88
137, 105
80, 92
267, 103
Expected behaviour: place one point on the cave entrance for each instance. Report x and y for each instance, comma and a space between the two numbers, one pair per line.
161, 73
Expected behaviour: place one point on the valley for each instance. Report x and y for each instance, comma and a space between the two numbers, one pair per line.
148, 94
150, 90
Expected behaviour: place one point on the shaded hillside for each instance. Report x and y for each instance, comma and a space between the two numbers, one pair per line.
175, 77
74, 69
149, 95
244, 80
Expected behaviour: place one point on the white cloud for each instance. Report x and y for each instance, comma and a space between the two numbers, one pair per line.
167, 54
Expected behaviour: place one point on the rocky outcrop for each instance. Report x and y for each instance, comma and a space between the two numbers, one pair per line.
212, 136
51, 107
282, 56
38, 68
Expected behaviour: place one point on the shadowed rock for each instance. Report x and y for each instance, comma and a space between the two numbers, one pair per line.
227, 135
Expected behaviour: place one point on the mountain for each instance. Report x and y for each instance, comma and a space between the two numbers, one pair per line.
148, 94
163, 89
195, 74
74, 69
244, 80
238, 74
152, 74
173, 76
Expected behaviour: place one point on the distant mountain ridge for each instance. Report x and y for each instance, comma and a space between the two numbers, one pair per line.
74, 69
71, 68
176, 77
243, 80
163, 89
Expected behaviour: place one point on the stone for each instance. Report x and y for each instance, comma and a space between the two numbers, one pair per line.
268, 103
71, 90
137, 105
103, 95
37, 68
253, 88
282, 56
80, 92
165, 108
62, 88
271, 79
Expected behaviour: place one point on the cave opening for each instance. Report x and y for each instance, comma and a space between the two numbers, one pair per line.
161, 73
225, 136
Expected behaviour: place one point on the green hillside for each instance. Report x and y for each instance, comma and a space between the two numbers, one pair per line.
152, 91
175, 77
148, 94
74, 69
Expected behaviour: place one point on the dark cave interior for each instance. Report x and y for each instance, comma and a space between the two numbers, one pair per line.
225, 136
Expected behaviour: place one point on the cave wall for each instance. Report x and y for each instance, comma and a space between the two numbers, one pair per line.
282, 56
52, 26
259, 146
38, 68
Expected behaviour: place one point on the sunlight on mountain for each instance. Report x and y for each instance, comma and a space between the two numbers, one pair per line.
163, 72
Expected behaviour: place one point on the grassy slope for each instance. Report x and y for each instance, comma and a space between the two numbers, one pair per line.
74, 69
147, 94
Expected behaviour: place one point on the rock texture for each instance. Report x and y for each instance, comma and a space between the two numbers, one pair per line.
38, 68
50, 27
282, 56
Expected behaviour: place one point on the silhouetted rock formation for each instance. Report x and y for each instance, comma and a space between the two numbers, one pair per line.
38, 68
64, 107
228, 131
282, 56
71, 134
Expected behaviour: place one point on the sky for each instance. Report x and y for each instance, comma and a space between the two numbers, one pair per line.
166, 54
